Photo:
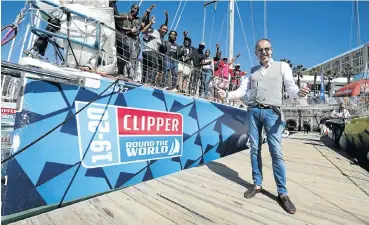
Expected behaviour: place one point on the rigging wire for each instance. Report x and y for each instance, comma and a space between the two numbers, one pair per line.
13, 27
265, 20
357, 16
365, 21
17, 40
84, 155
253, 23
244, 34
175, 16
180, 15
221, 28
203, 24
212, 27
227, 32
351, 27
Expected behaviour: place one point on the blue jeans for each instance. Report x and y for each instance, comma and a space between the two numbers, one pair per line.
274, 127
172, 66
206, 79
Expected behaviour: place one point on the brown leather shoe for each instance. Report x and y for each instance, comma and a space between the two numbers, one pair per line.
286, 204
252, 192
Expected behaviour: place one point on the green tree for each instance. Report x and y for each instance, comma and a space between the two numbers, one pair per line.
329, 75
348, 72
298, 71
314, 72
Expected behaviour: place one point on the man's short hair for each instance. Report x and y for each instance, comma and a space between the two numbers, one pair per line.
187, 39
173, 31
263, 39
161, 26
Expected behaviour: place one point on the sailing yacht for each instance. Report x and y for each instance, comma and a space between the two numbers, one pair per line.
80, 130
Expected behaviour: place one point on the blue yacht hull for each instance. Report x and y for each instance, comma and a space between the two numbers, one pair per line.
77, 160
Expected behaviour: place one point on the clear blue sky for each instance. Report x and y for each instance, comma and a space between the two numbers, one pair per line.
305, 32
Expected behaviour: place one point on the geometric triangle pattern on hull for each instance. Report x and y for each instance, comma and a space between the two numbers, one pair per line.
195, 132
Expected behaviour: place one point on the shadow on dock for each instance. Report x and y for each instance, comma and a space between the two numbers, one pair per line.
327, 142
232, 175
330, 144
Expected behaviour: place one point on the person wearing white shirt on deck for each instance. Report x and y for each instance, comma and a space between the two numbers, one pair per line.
342, 112
263, 90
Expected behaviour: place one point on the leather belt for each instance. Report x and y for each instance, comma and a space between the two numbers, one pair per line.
261, 106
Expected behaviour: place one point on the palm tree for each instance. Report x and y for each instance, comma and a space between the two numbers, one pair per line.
287, 61
298, 71
330, 76
314, 72
348, 71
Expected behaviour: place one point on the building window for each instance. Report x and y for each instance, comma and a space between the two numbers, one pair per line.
358, 62
358, 54
336, 63
346, 59
344, 65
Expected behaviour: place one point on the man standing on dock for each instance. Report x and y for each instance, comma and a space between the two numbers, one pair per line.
339, 119
263, 89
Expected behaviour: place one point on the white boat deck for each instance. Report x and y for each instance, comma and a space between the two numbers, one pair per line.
322, 183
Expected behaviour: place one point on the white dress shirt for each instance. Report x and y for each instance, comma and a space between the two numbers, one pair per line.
345, 114
152, 39
290, 86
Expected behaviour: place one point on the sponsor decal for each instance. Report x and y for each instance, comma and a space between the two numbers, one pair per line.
111, 135
6, 111
8, 115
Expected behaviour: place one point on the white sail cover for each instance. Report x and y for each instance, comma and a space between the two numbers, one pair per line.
85, 31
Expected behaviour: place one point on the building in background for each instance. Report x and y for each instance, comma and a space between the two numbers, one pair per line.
357, 59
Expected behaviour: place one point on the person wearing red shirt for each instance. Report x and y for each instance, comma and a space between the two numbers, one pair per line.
221, 80
236, 75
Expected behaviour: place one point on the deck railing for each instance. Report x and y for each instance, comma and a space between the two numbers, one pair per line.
136, 62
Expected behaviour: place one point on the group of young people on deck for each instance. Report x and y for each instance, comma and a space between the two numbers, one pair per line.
166, 64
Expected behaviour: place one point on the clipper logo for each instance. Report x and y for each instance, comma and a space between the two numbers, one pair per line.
8, 114
110, 135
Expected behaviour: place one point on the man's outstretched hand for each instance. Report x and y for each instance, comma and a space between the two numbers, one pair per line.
152, 7
304, 91
221, 93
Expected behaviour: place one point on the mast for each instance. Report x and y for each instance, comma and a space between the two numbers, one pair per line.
203, 23
231, 29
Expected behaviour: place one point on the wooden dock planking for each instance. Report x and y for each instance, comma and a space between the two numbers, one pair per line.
325, 187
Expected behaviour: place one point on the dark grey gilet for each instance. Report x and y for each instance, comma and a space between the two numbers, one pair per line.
267, 89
